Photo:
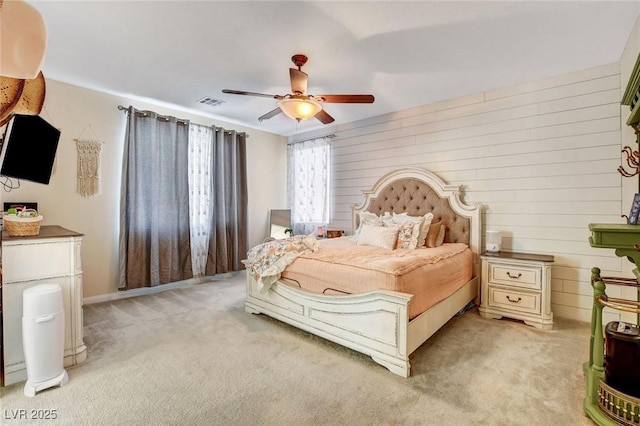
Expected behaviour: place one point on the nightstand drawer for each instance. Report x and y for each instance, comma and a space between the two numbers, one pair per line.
515, 275
514, 300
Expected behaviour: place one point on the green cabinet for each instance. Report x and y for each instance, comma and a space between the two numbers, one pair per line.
625, 239
604, 404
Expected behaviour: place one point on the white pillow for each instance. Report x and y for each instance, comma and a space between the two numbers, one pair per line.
424, 227
368, 218
379, 236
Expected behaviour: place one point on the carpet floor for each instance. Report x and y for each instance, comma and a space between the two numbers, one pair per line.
193, 356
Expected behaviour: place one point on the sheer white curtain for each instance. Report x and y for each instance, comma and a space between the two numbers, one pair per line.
309, 169
200, 206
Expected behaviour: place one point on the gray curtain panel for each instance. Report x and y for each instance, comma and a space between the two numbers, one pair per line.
228, 239
154, 224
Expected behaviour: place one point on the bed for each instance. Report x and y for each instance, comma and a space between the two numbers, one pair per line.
382, 323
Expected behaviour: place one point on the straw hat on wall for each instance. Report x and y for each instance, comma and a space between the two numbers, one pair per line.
19, 96
24, 39
24, 43
10, 92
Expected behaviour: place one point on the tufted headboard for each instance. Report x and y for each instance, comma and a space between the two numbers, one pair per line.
417, 192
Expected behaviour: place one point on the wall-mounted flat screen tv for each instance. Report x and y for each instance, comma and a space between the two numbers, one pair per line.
29, 149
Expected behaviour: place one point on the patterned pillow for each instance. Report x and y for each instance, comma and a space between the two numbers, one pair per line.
424, 220
379, 236
435, 237
408, 234
368, 218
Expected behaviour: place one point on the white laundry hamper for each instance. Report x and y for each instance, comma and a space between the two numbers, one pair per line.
43, 337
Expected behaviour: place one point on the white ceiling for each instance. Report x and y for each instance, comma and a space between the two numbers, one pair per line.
404, 53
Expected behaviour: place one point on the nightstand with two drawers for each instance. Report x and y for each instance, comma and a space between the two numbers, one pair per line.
517, 285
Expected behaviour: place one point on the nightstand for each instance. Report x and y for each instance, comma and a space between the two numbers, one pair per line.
517, 285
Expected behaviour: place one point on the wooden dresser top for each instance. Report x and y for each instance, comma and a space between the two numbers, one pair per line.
46, 231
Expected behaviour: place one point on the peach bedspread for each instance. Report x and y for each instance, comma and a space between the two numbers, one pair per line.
342, 266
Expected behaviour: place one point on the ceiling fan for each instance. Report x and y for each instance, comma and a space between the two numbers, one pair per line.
298, 104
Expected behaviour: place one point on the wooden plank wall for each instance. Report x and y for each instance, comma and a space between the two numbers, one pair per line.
541, 158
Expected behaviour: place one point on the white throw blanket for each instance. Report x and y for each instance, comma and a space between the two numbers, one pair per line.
268, 260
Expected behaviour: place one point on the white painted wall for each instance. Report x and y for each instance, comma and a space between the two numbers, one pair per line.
541, 157
84, 113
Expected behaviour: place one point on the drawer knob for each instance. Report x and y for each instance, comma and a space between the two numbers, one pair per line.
515, 277
514, 300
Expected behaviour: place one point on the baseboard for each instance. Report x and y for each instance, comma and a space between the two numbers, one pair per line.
157, 289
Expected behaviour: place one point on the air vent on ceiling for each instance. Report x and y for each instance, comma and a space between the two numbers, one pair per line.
210, 101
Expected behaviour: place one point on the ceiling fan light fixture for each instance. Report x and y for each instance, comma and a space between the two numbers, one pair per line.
299, 108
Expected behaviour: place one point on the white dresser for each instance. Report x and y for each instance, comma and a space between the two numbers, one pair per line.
51, 257
517, 285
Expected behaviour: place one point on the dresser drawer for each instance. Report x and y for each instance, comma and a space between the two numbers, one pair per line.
514, 300
515, 275
41, 259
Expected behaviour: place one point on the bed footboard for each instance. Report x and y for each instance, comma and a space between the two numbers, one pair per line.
374, 323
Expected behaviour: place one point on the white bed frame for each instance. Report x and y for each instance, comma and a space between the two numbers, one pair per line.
375, 323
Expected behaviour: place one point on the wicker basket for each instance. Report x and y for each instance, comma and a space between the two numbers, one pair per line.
22, 226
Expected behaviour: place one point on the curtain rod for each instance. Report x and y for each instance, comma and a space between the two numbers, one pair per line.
330, 136
126, 111
144, 113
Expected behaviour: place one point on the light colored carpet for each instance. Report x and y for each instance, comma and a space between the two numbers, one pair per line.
192, 356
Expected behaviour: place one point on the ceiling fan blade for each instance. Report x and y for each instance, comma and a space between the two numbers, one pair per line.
299, 81
324, 117
270, 114
242, 92
346, 99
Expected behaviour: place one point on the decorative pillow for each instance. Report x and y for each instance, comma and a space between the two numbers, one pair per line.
435, 237
379, 236
424, 220
408, 234
404, 217
387, 219
368, 218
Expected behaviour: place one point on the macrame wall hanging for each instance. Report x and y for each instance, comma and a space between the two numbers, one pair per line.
88, 167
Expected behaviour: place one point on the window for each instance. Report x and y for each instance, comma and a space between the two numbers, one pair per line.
309, 171
183, 200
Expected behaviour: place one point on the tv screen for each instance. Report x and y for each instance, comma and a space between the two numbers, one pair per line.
29, 149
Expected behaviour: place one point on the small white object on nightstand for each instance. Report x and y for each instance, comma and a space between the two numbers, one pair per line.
494, 241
